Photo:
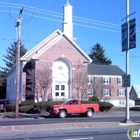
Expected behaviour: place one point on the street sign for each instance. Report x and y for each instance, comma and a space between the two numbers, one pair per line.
124, 43
126, 80
132, 33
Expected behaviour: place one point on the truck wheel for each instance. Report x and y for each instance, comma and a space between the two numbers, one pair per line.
89, 113
62, 114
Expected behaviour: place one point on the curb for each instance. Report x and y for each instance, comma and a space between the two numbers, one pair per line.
57, 126
130, 124
64, 126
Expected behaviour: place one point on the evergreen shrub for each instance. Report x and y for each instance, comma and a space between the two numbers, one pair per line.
27, 103
46, 105
105, 106
10, 108
24, 109
94, 98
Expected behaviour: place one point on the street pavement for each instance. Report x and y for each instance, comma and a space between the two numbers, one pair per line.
22, 117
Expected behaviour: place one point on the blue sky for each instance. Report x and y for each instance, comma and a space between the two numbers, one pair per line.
95, 21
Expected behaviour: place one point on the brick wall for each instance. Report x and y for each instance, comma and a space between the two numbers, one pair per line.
62, 49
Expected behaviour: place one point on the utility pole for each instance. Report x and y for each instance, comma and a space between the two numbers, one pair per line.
18, 25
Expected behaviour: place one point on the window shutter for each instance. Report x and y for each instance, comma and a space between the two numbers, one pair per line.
124, 92
93, 79
118, 92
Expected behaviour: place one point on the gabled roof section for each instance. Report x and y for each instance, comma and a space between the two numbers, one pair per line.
38, 47
87, 58
48, 42
137, 89
113, 70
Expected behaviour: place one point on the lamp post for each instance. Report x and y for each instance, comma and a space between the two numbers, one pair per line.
127, 119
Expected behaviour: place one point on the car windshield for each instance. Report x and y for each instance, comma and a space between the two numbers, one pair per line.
67, 102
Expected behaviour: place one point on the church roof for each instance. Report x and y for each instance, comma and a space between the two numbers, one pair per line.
48, 42
94, 69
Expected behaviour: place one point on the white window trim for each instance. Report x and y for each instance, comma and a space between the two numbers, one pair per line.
106, 80
119, 81
122, 102
90, 92
106, 92
90, 79
121, 92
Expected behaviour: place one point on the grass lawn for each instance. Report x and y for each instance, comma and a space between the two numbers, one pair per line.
118, 109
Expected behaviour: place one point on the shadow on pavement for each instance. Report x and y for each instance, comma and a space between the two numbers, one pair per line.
35, 116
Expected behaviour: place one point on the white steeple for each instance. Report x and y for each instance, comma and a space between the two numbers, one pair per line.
67, 21
67, 2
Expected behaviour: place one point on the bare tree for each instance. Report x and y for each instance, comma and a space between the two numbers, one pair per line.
98, 87
80, 81
40, 82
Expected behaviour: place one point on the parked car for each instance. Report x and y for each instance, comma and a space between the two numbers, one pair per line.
74, 106
3, 103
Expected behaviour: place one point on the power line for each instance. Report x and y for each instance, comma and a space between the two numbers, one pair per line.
44, 12
97, 28
61, 22
22, 40
74, 17
85, 20
117, 55
76, 24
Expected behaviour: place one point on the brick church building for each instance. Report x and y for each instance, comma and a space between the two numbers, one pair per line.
58, 55
57, 69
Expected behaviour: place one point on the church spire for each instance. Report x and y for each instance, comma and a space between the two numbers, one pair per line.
67, 20
67, 2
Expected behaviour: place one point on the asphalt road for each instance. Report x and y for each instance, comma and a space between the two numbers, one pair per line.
74, 119
112, 133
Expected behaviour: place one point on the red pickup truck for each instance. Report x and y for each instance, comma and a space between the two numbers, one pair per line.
74, 107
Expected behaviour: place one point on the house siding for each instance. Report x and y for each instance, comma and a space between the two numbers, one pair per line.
98, 87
